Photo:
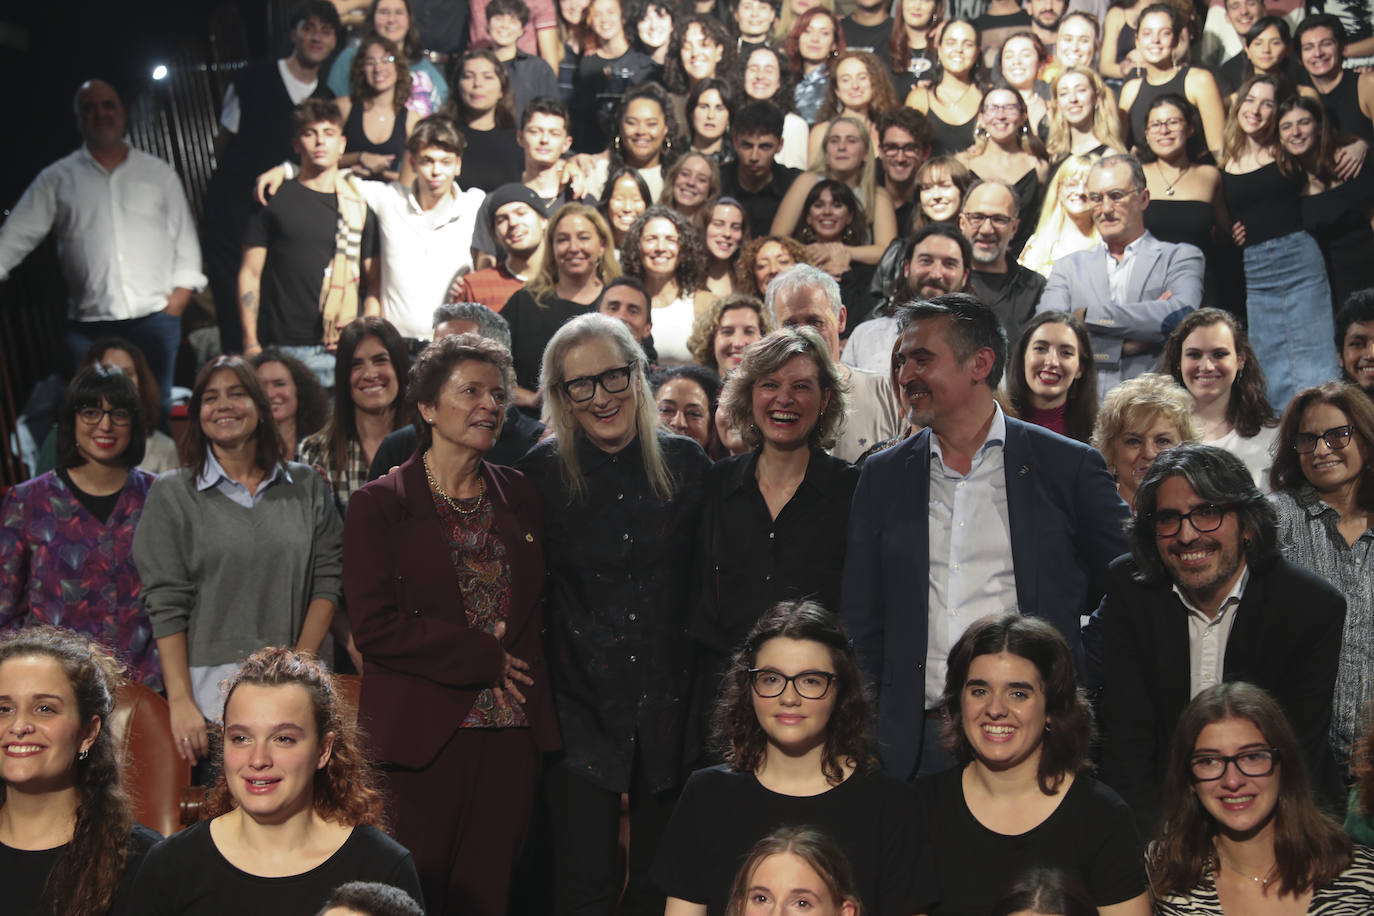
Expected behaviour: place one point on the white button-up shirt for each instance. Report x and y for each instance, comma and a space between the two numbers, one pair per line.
971, 573
125, 238
1207, 637
1119, 272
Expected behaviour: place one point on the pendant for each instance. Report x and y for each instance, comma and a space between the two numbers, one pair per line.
1169, 192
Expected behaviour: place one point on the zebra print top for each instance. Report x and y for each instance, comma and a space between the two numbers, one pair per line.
1351, 894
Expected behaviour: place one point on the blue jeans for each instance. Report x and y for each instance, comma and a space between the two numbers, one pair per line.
317, 359
158, 335
1288, 309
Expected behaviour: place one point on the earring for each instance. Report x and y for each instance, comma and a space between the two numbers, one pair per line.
616, 144
84, 754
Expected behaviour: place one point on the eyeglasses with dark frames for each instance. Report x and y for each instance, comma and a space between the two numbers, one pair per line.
612, 381
1336, 438
119, 416
810, 685
1257, 761
1204, 518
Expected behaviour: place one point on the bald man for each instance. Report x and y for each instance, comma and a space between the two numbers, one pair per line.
989, 221
125, 237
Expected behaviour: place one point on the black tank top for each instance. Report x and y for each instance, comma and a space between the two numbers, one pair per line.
1342, 106
950, 138
395, 145
1146, 96
1125, 40
1268, 204
1180, 221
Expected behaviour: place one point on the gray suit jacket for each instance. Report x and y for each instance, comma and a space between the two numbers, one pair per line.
1079, 281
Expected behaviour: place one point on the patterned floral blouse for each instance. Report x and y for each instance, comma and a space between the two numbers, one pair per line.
479, 560
61, 565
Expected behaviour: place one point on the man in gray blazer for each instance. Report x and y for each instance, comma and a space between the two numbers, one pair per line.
1133, 289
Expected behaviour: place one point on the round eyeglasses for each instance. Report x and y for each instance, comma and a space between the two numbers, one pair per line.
810, 685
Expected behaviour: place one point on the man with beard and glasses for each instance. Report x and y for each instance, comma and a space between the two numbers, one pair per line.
990, 220
977, 514
905, 136
936, 261
1355, 340
1203, 598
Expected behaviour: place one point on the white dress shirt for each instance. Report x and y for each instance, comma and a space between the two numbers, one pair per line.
125, 238
1207, 637
231, 112
1119, 272
971, 574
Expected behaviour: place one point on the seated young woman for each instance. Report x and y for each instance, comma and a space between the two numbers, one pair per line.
1021, 794
793, 723
764, 258
68, 841
297, 809
799, 868
1052, 381
1241, 832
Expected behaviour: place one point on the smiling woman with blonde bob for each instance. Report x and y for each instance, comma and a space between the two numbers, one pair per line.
1021, 794
794, 724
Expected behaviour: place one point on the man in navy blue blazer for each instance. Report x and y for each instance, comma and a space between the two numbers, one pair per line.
977, 514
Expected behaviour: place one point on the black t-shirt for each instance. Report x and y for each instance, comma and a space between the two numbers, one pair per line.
24, 872
492, 158
723, 813
297, 228
873, 38
531, 325
99, 506
1091, 835
185, 875
601, 83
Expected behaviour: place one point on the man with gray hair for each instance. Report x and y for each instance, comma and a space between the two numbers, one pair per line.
519, 431
806, 295
990, 219
1132, 290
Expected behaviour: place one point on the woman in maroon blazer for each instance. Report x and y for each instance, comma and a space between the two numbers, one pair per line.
444, 573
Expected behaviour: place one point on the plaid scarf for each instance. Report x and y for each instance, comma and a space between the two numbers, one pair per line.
339, 294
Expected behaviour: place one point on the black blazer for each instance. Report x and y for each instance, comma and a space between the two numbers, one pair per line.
423, 666
1286, 638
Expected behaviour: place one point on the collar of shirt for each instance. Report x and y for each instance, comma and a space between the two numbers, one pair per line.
1128, 253
91, 160
589, 457
996, 438
213, 473
1232, 599
442, 210
819, 473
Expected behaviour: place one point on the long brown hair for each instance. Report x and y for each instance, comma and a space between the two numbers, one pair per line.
360, 90
1310, 849
342, 425
346, 789
89, 869
1248, 409
268, 442
1286, 472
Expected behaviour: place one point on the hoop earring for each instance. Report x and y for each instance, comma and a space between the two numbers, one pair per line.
615, 144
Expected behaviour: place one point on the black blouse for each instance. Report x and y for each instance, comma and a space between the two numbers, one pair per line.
618, 595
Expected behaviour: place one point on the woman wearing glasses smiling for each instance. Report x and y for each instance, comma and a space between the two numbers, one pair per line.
620, 500
1324, 494
794, 723
88, 507
1241, 833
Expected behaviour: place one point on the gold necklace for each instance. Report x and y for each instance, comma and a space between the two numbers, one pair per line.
1262, 880
1169, 186
455, 504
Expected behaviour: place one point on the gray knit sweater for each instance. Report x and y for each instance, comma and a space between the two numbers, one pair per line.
236, 579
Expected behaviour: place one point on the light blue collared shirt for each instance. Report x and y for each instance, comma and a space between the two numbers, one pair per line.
213, 475
1119, 272
971, 574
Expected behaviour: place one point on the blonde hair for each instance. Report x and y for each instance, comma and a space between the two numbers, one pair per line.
867, 191
545, 279
1106, 122
1043, 247
582, 329
1134, 400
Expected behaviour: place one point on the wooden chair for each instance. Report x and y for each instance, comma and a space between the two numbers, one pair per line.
158, 780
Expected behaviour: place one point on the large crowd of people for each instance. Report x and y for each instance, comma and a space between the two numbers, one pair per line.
758, 457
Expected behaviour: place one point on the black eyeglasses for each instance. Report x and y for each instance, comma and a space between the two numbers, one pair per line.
612, 381
119, 416
810, 685
1337, 437
1204, 518
1255, 762
999, 220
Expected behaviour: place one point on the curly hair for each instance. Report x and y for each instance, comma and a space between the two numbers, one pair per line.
1310, 849
1068, 717
735, 729
347, 789
89, 868
1137, 402
312, 403
782, 97
1106, 125
1081, 407
456, 109
544, 283
360, 90
702, 342
675, 76
841, 194
767, 356
691, 256
436, 363
745, 280
1248, 409
883, 99
673, 143
792, 46
1286, 472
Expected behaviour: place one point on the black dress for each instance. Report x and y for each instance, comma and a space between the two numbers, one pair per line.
1146, 96
394, 146
1191, 222
1336, 218
492, 158
950, 138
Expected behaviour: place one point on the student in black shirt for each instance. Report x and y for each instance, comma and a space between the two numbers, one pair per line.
608, 70
869, 28
755, 178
